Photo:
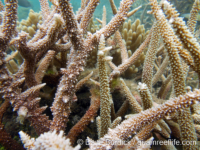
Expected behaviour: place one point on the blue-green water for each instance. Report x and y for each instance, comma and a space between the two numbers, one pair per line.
35, 5
23, 11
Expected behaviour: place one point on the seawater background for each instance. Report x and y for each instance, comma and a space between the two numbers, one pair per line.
183, 6
23, 11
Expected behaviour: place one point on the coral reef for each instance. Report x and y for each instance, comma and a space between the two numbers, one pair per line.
72, 82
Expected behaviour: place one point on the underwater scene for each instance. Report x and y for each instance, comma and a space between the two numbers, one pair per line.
99, 74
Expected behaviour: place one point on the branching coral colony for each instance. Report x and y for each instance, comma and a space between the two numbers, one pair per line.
53, 61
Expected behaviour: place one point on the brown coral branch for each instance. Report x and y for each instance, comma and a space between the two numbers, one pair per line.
160, 71
143, 135
86, 119
3, 108
28, 107
10, 20
88, 12
44, 8
114, 8
8, 29
124, 53
124, 66
71, 23
83, 81
133, 11
147, 73
131, 99
44, 64
191, 23
104, 87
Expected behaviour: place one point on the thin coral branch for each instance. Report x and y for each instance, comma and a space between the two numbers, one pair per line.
45, 9
121, 68
191, 23
124, 53
8, 29
143, 135
114, 8
88, 12
133, 11
131, 99
160, 71
40, 72
104, 87
85, 120
83, 81
145, 95
147, 73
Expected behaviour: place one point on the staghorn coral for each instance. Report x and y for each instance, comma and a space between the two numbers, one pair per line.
105, 118
133, 35
62, 40
31, 24
147, 117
